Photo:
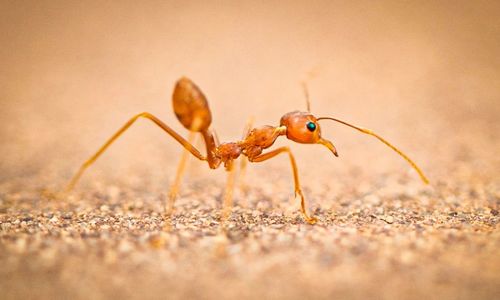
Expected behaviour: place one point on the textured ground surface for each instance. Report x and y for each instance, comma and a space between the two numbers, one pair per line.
425, 76
388, 242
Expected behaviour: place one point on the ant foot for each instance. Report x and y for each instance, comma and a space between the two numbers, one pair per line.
311, 220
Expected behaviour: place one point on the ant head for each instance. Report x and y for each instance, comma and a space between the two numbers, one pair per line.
303, 127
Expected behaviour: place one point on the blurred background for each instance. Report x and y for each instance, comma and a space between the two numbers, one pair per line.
424, 74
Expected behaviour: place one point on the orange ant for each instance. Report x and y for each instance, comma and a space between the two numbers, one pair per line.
191, 108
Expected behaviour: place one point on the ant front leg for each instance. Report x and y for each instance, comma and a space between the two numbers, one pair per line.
271, 154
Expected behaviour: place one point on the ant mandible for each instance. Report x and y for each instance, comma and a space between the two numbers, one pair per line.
192, 110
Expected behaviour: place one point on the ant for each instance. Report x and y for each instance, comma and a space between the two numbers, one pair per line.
191, 108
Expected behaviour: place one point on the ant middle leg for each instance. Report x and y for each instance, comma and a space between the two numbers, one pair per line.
227, 203
244, 160
298, 190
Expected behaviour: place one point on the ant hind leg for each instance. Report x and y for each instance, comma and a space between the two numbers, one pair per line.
188, 146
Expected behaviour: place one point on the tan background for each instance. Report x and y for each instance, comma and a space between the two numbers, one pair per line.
71, 73
424, 74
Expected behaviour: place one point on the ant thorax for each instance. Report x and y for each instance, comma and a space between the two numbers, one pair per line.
251, 146
259, 139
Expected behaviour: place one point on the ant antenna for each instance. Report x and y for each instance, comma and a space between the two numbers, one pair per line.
367, 131
306, 94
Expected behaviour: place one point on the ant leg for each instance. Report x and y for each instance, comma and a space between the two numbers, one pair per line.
244, 160
174, 189
228, 194
103, 148
227, 204
271, 154
243, 166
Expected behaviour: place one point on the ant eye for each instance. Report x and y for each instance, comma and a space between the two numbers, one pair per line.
311, 126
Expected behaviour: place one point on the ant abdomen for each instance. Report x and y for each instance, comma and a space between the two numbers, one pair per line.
191, 106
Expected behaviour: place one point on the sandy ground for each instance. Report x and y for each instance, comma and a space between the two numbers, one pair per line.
424, 75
